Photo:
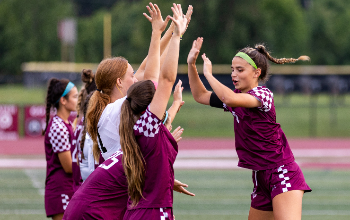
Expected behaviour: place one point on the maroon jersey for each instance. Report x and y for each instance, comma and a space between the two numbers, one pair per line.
159, 150
58, 184
77, 180
103, 195
260, 142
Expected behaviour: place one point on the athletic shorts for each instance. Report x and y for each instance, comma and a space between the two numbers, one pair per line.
270, 183
56, 204
149, 214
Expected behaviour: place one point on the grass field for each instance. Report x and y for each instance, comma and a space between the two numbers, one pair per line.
220, 195
299, 115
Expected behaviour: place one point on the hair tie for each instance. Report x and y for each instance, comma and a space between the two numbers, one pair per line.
129, 99
166, 117
98, 90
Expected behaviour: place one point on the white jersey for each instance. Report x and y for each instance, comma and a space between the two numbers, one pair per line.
87, 165
108, 129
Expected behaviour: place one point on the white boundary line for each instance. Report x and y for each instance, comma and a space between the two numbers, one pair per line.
32, 175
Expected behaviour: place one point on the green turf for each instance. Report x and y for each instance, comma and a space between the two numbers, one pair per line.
220, 194
295, 113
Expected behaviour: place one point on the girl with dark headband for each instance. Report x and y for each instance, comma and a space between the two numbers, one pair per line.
261, 144
61, 95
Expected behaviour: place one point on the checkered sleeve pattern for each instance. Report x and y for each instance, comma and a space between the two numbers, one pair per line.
59, 136
264, 95
148, 124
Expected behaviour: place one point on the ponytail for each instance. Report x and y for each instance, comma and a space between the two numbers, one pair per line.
97, 104
133, 161
55, 89
108, 71
140, 95
261, 49
260, 56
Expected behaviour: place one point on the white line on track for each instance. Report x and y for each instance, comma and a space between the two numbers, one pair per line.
22, 212
241, 212
32, 175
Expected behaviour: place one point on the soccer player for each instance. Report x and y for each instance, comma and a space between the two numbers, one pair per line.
61, 95
149, 150
88, 78
113, 78
261, 144
104, 194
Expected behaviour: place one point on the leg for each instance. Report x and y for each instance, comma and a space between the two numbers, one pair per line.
288, 205
255, 214
58, 216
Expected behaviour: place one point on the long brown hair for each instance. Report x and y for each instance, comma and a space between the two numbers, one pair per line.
55, 89
260, 56
88, 77
108, 71
139, 97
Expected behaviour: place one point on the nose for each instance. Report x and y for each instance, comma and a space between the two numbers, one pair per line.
135, 80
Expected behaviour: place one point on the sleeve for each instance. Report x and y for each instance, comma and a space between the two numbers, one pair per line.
148, 125
59, 138
265, 96
215, 101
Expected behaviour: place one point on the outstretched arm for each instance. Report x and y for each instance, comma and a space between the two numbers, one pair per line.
199, 92
158, 26
164, 46
225, 94
169, 69
140, 73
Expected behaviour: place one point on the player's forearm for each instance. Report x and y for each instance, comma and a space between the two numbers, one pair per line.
153, 60
172, 111
198, 90
224, 93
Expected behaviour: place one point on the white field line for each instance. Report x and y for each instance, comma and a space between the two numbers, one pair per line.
193, 159
206, 164
22, 163
232, 153
32, 175
21, 212
242, 212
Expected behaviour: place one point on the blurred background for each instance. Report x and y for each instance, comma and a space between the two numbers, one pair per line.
40, 39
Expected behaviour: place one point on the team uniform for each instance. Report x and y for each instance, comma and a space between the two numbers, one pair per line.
108, 128
262, 146
159, 150
103, 195
77, 180
88, 163
58, 184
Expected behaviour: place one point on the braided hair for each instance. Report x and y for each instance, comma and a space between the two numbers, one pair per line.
55, 89
260, 56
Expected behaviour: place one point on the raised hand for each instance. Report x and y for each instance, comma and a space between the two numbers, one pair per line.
207, 66
158, 24
188, 16
178, 94
179, 20
193, 54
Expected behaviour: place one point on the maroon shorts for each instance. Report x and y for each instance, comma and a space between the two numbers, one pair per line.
150, 214
56, 204
270, 183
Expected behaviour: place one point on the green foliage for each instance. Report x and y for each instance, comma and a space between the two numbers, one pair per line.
28, 31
